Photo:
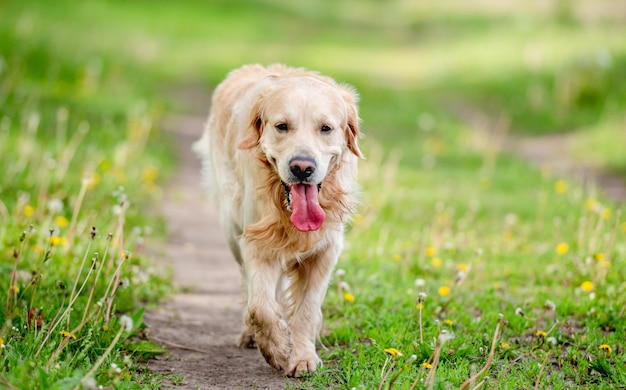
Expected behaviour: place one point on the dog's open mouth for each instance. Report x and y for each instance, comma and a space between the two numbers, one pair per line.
306, 213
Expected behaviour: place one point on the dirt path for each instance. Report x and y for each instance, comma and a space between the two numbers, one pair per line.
550, 151
199, 326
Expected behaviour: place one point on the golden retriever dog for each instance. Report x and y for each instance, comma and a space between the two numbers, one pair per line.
280, 155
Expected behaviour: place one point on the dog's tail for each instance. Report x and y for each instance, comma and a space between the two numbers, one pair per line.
201, 146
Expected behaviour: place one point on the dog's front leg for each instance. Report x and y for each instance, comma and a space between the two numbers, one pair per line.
308, 288
264, 314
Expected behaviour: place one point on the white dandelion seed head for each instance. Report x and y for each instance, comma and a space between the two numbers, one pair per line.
89, 383
340, 273
117, 210
551, 340
519, 312
55, 205
126, 322
124, 283
419, 282
344, 285
445, 336
426, 121
510, 219
549, 305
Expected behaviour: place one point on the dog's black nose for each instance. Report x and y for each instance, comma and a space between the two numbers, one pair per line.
302, 167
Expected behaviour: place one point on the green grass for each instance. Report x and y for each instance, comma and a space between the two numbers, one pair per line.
441, 206
81, 159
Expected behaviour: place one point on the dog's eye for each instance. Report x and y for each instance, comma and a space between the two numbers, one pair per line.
281, 127
326, 129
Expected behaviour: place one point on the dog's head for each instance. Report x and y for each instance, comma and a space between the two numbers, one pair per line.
304, 125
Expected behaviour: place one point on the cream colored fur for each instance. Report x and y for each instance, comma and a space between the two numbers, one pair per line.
285, 272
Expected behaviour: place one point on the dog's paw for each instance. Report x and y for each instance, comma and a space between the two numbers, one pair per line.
275, 344
303, 363
246, 339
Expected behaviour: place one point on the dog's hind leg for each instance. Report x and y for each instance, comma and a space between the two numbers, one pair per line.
246, 338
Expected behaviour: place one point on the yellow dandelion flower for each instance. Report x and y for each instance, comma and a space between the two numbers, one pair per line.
427, 365
605, 264
462, 267
562, 248
606, 213
504, 344
348, 296
67, 334
484, 183
1, 341
61, 221
590, 204
598, 257
105, 165
119, 176
91, 180
605, 347
396, 258
56, 240
448, 322
393, 352
14, 288
406, 245
149, 175
560, 187
623, 225
587, 286
430, 251
28, 210
436, 262
38, 249
540, 333
105, 327
444, 291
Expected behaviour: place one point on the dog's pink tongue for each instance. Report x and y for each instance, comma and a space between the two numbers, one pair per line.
307, 213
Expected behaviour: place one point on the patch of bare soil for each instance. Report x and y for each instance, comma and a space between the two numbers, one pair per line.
552, 151
547, 151
200, 325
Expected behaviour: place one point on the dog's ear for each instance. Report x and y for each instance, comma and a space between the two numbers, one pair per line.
352, 131
255, 127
